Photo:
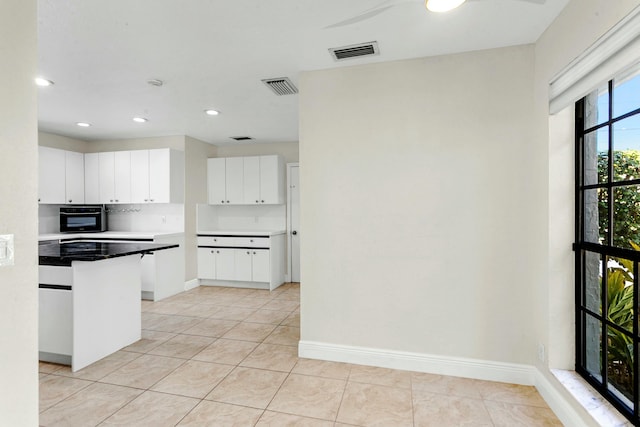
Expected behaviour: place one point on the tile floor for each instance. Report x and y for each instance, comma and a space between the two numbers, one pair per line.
227, 357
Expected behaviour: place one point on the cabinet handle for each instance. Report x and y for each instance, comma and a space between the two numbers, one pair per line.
248, 253
254, 252
257, 201
217, 252
111, 200
215, 240
117, 200
227, 201
223, 201
151, 200
146, 200
38, 200
251, 240
262, 201
70, 200
213, 252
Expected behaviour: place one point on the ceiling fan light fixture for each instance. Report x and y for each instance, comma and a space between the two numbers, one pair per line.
443, 5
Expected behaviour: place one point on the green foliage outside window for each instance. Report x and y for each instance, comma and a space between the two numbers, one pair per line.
626, 200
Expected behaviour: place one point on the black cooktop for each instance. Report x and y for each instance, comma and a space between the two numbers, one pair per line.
63, 254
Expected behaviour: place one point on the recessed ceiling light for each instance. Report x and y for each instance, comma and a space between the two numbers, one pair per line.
43, 82
443, 5
212, 112
140, 120
83, 124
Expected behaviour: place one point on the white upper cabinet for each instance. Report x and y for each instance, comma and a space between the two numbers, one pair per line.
157, 176
246, 180
51, 177
114, 177
122, 176
251, 184
216, 181
92, 178
272, 180
74, 177
60, 176
166, 176
140, 176
234, 177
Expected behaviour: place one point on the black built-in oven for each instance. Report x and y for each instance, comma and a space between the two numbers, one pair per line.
83, 219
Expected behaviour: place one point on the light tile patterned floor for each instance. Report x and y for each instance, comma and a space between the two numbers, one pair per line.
228, 357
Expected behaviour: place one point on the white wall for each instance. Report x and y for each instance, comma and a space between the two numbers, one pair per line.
19, 214
413, 205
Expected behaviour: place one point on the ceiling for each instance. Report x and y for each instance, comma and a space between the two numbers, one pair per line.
214, 54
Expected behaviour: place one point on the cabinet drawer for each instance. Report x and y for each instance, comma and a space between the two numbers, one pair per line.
234, 241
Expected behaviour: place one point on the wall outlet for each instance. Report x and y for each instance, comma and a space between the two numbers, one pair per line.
541, 352
6, 250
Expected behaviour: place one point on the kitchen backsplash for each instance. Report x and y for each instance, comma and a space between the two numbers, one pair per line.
238, 218
145, 217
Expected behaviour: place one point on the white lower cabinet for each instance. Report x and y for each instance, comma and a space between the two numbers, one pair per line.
254, 259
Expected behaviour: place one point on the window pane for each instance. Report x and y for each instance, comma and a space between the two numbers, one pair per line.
626, 139
593, 281
596, 156
626, 94
620, 365
595, 216
596, 107
620, 292
593, 347
626, 216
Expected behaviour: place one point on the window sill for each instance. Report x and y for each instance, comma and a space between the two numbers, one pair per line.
596, 405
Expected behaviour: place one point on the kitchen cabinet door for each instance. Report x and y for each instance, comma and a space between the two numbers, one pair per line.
107, 177
160, 176
140, 176
92, 178
234, 177
122, 177
271, 180
251, 180
216, 181
243, 265
225, 264
260, 265
207, 263
51, 175
74, 177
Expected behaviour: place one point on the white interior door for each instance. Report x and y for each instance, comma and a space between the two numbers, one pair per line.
293, 203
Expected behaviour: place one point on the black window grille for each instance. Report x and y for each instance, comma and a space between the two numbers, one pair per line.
608, 241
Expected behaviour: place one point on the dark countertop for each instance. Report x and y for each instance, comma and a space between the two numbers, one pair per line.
62, 254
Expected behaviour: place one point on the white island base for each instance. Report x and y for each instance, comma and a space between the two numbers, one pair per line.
89, 310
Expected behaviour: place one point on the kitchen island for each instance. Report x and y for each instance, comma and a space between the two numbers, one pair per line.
89, 294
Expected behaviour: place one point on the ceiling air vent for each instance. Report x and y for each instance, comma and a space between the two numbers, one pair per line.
281, 86
242, 138
354, 51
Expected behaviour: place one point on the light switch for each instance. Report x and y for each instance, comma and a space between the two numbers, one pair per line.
6, 249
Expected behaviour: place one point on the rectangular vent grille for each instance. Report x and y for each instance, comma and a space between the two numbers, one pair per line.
355, 51
242, 138
281, 86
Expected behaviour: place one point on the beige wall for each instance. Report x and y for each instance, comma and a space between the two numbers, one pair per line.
413, 205
19, 214
175, 142
288, 150
196, 154
62, 142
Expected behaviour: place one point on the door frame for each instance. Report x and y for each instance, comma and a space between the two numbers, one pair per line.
289, 166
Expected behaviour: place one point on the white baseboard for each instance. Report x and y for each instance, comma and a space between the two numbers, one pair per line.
191, 284
560, 404
451, 366
419, 362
